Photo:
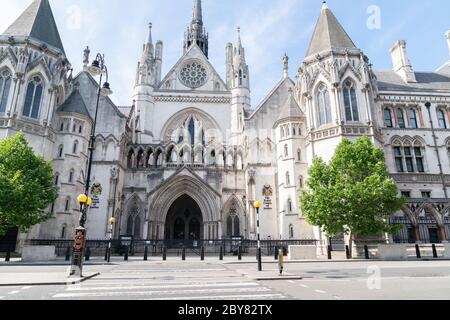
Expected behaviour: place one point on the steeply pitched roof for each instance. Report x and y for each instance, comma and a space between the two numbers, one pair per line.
75, 104
290, 109
426, 81
329, 34
37, 22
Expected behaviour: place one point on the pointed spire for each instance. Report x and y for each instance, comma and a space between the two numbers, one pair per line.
150, 40
197, 12
329, 34
285, 66
37, 22
148, 47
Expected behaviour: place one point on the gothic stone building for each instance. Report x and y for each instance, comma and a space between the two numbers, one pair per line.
189, 157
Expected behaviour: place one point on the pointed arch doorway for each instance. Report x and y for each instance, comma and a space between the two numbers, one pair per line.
184, 220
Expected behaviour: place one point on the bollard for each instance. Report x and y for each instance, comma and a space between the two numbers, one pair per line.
435, 254
68, 254
125, 257
106, 253
87, 255
146, 253
366, 252
164, 254
330, 257
183, 254
418, 254
347, 252
221, 253
276, 253
8, 254
240, 253
202, 254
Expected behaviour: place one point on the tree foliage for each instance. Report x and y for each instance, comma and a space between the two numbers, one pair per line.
26, 185
353, 194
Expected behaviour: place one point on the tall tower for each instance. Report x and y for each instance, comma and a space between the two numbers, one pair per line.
196, 32
148, 76
239, 78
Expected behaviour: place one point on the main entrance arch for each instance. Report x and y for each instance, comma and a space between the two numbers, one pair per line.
184, 220
184, 202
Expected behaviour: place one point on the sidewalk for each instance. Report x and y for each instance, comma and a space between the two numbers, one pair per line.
41, 279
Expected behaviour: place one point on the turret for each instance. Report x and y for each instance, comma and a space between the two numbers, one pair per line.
240, 87
196, 33
148, 76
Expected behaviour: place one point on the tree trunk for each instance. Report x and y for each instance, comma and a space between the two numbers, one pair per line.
350, 244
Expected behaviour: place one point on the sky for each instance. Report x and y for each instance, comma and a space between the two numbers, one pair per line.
269, 28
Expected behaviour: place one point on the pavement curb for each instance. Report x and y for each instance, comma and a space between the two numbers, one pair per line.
60, 283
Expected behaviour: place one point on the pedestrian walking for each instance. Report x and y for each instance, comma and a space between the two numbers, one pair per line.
281, 261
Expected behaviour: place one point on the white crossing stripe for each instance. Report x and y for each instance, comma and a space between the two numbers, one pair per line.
2, 297
26, 288
144, 287
162, 292
233, 297
14, 292
304, 286
320, 291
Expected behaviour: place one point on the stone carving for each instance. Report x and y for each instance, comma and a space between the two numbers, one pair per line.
267, 191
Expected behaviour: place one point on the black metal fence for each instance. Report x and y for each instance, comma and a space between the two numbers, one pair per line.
175, 247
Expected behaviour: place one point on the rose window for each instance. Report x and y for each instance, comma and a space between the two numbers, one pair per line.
193, 75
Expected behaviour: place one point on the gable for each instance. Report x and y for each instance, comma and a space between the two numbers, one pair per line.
195, 69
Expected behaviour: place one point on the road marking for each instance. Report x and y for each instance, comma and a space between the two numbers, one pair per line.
143, 287
26, 288
2, 297
290, 281
304, 286
337, 297
320, 291
14, 292
165, 292
233, 297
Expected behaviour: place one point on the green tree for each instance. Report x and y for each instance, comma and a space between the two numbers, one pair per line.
353, 194
26, 185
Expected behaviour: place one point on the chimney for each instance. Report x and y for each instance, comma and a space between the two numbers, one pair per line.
402, 65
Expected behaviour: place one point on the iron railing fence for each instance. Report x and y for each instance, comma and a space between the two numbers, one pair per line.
174, 247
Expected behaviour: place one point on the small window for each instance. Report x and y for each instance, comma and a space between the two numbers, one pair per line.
442, 119
67, 205
291, 231
71, 176
406, 194
290, 205
300, 182
286, 150
413, 119
388, 118
62, 127
60, 151
33, 98
399, 159
288, 179
426, 194
80, 129
56, 179
299, 155
75, 147
401, 119
63, 231
74, 128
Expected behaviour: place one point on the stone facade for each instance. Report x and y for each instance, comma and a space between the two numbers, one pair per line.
191, 155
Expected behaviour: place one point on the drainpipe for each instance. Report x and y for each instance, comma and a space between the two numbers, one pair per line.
441, 172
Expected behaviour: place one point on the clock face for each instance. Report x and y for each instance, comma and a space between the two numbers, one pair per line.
193, 75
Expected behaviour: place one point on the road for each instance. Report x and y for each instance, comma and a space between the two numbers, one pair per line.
215, 280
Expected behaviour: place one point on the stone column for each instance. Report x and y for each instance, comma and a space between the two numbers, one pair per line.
416, 233
442, 235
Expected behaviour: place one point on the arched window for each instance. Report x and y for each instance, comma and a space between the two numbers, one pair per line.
137, 228
413, 119
130, 226
67, 205
299, 155
401, 119
56, 179
60, 151
240, 77
74, 128
61, 128
71, 174
388, 118
80, 129
323, 106
291, 231
5, 86
130, 159
33, 98
350, 102
281, 132
63, 231
409, 158
288, 179
286, 150
294, 131
300, 182
75, 147
192, 131
289, 205
230, 226
442, 119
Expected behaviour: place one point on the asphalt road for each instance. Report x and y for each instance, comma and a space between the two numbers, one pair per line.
214, 280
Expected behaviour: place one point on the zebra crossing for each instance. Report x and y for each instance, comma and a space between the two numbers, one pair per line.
169, 284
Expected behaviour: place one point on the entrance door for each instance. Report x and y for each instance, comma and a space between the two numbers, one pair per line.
434, 235
184, 220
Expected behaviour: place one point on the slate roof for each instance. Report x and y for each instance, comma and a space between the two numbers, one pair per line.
37, 22
426, 81
75, 104
329, 34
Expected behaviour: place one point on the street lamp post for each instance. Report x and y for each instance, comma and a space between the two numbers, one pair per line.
98, 68
258, 206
